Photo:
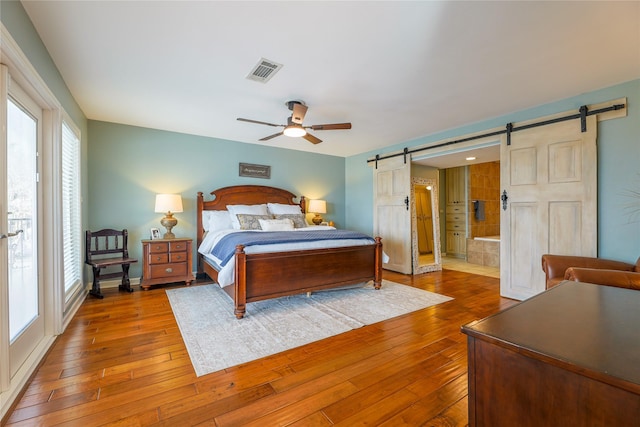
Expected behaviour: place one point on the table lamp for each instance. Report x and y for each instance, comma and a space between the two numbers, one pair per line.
169, 204
317, 207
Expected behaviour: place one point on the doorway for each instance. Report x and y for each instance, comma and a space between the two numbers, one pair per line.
21, 193
457, 220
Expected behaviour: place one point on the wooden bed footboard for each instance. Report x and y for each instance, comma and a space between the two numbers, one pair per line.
275, 274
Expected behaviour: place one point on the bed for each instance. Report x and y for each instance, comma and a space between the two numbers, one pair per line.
261, 274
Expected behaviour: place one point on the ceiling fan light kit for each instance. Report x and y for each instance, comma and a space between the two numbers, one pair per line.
294, 131
294, 127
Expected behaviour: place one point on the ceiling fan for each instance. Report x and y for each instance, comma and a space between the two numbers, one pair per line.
294, 126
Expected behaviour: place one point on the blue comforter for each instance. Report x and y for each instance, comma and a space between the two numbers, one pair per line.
226, 247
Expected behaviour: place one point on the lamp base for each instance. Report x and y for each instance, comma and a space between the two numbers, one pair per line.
169, 222
317, 220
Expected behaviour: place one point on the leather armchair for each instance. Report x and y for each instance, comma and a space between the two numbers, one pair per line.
592, 270
620, 279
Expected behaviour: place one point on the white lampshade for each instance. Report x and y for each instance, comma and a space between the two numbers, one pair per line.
168, 203
317, 206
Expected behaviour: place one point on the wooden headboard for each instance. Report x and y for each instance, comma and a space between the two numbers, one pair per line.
243, 195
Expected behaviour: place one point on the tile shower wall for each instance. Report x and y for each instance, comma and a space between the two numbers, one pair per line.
484, 184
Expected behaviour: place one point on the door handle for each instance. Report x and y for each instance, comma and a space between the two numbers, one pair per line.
5, 236
504, 199
406, 202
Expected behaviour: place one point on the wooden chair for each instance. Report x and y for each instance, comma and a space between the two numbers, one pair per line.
100, 248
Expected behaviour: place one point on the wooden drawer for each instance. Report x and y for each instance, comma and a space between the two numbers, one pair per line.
168, 270
159, 247
177, 256
456, 226
455, 217
159, 258
455, 209
178, 246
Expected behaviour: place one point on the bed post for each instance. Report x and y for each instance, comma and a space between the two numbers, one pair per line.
303, 204
200, 204
240, 294
377, 281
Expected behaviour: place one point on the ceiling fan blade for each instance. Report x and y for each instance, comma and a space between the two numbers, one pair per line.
299, 111
266, 138
331, 126
257, 122
312, 139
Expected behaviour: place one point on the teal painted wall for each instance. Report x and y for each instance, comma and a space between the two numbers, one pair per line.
618, 170
129, 165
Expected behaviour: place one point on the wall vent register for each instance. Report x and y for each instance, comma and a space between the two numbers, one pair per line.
264, 70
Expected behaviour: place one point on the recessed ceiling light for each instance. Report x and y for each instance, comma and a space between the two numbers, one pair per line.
470, 158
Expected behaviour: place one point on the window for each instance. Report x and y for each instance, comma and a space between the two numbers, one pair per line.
71, 210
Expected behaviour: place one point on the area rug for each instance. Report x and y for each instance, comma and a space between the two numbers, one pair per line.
216, 340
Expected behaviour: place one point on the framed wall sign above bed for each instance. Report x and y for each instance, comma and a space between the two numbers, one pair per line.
254, 171
269, 264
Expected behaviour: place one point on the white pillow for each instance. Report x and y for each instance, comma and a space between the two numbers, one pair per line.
279, 209
276, 224
245, 209
206, 215
218, 220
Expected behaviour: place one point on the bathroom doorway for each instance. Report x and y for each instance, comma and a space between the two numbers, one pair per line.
458, 222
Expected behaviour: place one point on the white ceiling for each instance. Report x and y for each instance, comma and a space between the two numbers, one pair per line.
396, 70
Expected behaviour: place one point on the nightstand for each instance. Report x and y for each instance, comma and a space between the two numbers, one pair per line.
166, 261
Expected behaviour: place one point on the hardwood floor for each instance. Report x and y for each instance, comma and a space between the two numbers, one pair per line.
122, 362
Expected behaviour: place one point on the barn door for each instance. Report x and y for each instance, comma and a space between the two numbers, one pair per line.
392, 217
549, 181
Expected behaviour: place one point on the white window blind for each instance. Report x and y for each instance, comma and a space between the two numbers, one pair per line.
71, 210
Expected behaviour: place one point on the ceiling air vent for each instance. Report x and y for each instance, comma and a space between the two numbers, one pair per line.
264, 70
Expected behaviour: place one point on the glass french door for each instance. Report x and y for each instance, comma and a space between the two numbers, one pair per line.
19, 229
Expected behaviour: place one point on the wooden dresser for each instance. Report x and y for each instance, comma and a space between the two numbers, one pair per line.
166, 261
569, 356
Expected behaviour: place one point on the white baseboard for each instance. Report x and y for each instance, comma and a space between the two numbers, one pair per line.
107, 284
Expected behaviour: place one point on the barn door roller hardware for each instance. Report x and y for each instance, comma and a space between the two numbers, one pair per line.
582, 115
509, 128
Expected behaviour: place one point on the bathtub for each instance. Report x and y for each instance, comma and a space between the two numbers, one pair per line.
484, 250
488, 238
